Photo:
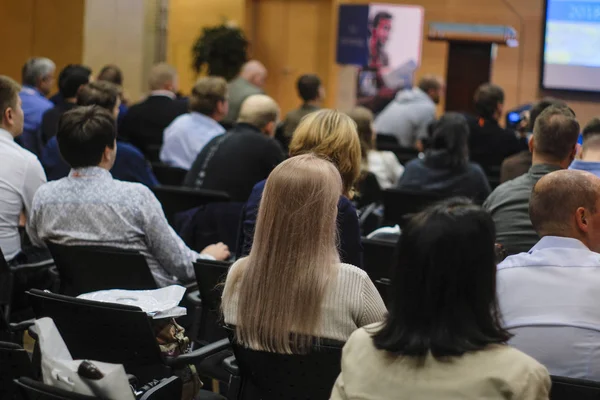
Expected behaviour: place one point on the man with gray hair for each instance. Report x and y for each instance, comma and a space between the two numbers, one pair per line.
549, 296
408, 116
38, 79
144, 123
244, 156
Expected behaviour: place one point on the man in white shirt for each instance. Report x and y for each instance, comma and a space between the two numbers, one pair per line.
187, 135
549, 297
21, 174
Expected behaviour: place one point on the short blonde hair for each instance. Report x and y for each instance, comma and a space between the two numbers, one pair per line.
207, 93
258, 110
160, 75
332, 135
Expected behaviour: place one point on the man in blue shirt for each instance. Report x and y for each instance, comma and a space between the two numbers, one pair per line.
130, 164
590, 154
187, 135
549, 296
38, 79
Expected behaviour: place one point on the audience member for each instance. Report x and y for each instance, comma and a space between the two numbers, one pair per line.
590, 153
519, 164
312, 93
89, 207
489, 143
332, 135
20, 176
443, 336
130, 165
146, 121
382, 165
71, 78
187, 135
547, 296
408, 116
553, 145
446, 169
251, 80
305, 292
244, 156
38, 79
113, 74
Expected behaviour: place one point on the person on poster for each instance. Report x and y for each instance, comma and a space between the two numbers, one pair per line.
380, 33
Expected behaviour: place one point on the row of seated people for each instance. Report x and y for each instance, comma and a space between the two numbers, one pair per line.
302, 197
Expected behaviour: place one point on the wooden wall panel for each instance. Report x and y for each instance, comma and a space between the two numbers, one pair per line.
31, 28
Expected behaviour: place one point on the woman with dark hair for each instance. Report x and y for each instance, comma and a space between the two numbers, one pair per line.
443, 336
446, 169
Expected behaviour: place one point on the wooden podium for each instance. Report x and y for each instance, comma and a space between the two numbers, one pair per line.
470, 49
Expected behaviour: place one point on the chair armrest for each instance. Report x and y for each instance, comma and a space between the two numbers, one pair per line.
198, 355
230, 365
22, 326
193, 297
33, 332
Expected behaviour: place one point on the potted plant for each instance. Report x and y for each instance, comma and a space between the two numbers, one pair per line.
220, 50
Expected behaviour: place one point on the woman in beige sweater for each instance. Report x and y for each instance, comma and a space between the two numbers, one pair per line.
292, 284
442, 338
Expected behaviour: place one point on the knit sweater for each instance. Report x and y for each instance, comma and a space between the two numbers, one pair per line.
352, 302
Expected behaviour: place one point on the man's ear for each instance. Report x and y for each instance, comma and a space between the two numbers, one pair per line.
531, 144
270, 128
581, 216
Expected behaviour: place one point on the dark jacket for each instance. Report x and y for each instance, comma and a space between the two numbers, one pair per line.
235, 162
144, 123
351, 251
50, 119
130, 164
490, 144
434, 174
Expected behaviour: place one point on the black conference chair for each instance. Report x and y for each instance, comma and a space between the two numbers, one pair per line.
399, 204
574, 389
210, 276
168, 175
14, 363
167, 389
378, 260
178, 199
260, 375
6, 286
386, 142
85, 269
113, 333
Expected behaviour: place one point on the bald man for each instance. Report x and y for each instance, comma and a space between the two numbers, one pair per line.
251, 80
144, 123
246, 155
550, 296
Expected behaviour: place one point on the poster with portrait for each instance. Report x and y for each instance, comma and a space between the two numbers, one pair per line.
384, 41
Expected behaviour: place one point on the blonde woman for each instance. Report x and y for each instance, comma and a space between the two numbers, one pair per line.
292, 284
383, 164
331, 135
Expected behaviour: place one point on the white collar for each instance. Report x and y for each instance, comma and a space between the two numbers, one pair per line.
4, 134
165, 93
549, 242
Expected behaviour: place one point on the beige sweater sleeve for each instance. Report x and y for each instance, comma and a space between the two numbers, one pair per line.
373, 309
536, 385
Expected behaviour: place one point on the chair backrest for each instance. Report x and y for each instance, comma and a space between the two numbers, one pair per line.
108, 332
168, 175
6, 286
177, 199
270, 376
400, 204
34, 390
378, 261
14, 363
210, 276
85, 269
574, 389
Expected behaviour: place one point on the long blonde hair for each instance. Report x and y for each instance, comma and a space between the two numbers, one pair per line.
332, 135
294, 258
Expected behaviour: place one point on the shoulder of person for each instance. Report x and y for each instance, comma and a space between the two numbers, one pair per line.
129, 149
352, 271
516, 365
